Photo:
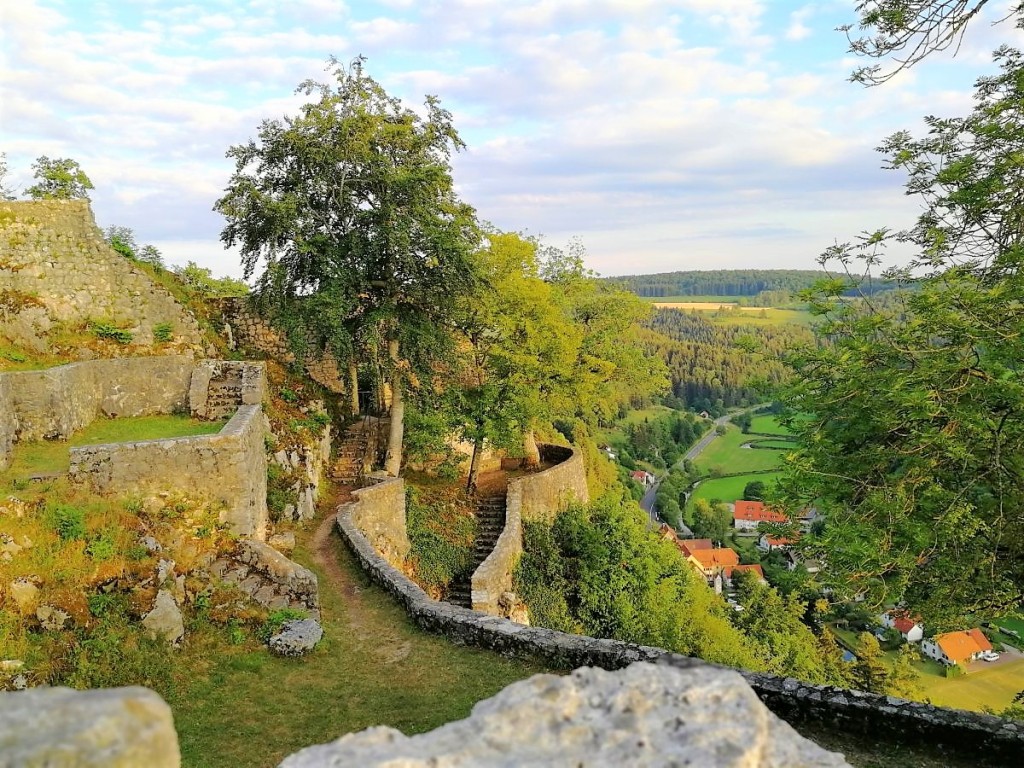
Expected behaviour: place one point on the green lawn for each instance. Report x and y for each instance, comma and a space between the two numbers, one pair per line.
47, 457
725, 455
729, 488
780, 445
1016, 623
767, 425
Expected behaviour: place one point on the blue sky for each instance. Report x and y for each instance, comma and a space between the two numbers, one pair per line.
665, 134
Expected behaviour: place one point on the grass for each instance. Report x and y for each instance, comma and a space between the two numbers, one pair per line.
767, 425
47, 457
1016, 623
373, 667
725, 455
729, 488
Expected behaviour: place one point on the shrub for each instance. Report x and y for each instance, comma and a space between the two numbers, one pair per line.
67, 521
162, 332
289, 395
104, 329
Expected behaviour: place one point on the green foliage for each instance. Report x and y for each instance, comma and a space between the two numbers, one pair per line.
279, 490
711, 521
102, 546
722, 285
67, 521
202, 281
101, 603
442, 532
58, 179
5, 192
915, 439
754, 490
104, 329
163, 332
288, 395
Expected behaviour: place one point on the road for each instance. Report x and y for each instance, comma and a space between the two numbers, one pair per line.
647, 502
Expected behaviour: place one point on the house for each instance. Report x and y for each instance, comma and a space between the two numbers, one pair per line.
769, 543
646, 479
667, 532
806, 517
711, 562
757, 570
900, 620
704, 415
747, 515
686, 546
608, 451
793, 560
956, 647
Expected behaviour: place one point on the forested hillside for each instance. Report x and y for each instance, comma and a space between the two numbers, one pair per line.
732, 282
713, 366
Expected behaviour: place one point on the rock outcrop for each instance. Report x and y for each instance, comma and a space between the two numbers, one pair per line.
296, 638
62, 728
644, 715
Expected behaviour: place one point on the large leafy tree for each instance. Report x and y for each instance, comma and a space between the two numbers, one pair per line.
350, 207
58, 179
914, 442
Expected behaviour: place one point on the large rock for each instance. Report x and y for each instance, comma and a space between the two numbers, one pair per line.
62, 728
299, 582
165, 619
296, 637
25, 595
644, 715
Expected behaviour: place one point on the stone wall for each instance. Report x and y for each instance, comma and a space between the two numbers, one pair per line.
379, 514
55, 260
229, 467
538, 496
246, 329
879, 718
56, 402
219, 386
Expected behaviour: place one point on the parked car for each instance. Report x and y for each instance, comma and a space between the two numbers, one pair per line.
990, 656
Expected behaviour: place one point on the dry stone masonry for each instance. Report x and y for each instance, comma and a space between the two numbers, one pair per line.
56, 267
218, 387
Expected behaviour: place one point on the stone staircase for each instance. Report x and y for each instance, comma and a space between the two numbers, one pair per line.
490, 516
348, 465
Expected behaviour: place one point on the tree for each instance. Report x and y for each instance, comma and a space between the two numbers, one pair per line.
5, 192
869, 673
903, 680
711, 521
915, 435
122, 240
909, 31
754, 491
352, 208
59, 179
201, 279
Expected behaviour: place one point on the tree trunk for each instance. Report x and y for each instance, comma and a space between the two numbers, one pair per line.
531, 453
353, 383
474, 465
393, 461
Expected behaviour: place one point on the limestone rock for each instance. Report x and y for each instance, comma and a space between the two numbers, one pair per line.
296, 637
164, 569
298, 581
62, 728
52, 619
151, 544
282, 542
165, 619
25, 595
644, 715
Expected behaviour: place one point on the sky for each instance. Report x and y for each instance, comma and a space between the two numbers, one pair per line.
663, 134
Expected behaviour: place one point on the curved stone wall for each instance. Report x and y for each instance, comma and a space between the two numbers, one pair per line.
878, 718
537, 496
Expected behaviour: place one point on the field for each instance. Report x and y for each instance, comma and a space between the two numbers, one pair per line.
729, 488
48, 457
767, 425
725, 454
725, 313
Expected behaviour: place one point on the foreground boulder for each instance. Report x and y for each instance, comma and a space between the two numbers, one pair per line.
62, 728
296, 637
644, 715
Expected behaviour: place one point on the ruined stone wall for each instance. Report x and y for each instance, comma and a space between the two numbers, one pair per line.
881, 719
379, 514
229, 467
219, 386
56, 402
546, 493
54, 260
247, 330
538, 496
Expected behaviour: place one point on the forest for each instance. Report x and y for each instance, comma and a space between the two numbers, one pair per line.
732, 283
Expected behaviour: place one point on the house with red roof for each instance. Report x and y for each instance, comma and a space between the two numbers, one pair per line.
686, 546
901, 620
712, 562
956, 647
747, 515
755, 569
646, 479
769, 543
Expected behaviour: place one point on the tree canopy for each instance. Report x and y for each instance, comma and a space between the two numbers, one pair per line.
351, 209
58, 179
914, 441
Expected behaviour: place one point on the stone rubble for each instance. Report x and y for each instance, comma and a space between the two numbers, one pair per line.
165, 621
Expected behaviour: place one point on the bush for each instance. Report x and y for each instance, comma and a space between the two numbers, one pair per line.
442, 541
162, 332
106, 330
102, 547
67, 521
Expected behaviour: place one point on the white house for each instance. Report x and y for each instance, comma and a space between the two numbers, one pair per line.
900, 620
956, 647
